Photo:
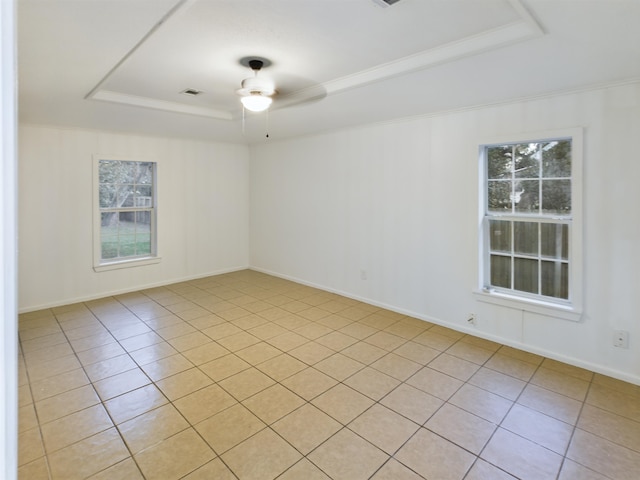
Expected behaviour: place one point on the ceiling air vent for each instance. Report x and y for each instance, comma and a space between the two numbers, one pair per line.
191, 92
385, 3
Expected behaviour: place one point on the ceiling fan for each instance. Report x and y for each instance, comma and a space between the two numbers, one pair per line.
257, 93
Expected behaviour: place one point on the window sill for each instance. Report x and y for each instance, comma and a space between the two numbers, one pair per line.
533, 306
137, 262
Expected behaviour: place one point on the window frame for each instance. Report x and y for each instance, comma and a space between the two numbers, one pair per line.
571, 308
100, 265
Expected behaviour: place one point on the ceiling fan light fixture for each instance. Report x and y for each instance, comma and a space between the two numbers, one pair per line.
256, 102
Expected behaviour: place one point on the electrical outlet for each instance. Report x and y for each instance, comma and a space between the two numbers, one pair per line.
621, 339
471, 319
363, 274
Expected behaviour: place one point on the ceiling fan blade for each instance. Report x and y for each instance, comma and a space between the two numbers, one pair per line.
311, 94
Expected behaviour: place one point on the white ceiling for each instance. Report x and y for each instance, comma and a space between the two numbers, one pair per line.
122, 64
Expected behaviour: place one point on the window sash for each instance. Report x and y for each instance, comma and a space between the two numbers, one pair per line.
555, 289
518, 177
141, 240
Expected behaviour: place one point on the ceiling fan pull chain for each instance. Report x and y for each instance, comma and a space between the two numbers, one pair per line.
267, 122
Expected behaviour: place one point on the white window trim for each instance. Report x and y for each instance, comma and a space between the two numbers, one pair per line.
571, 310
98, 264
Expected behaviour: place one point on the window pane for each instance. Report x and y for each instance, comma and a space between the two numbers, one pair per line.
499, 161
526, 196
143, 221
109, 246
499, 196
500, 235
112, 171
127, 245
143, 244
129, 171
107, 171
556, 159
143, 196
144, 173
525, 275
143, 190
109, 221
500, 271
527, 161
108, 196
525, 237
125, 195
554, 238
555, 279
556, 196
127, 222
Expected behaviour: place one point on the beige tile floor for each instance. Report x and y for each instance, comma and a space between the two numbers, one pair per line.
248, 376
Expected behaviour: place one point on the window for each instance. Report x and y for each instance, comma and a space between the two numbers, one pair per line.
529, 221
126, 212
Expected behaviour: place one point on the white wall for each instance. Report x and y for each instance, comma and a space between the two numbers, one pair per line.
8, 246
203, 212
399, 202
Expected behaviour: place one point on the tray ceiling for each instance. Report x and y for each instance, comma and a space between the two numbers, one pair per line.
124, 65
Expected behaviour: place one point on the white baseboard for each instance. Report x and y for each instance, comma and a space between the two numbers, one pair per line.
97, 296
576, 362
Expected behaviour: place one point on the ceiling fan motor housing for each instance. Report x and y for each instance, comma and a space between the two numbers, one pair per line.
257, 85
256, 64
